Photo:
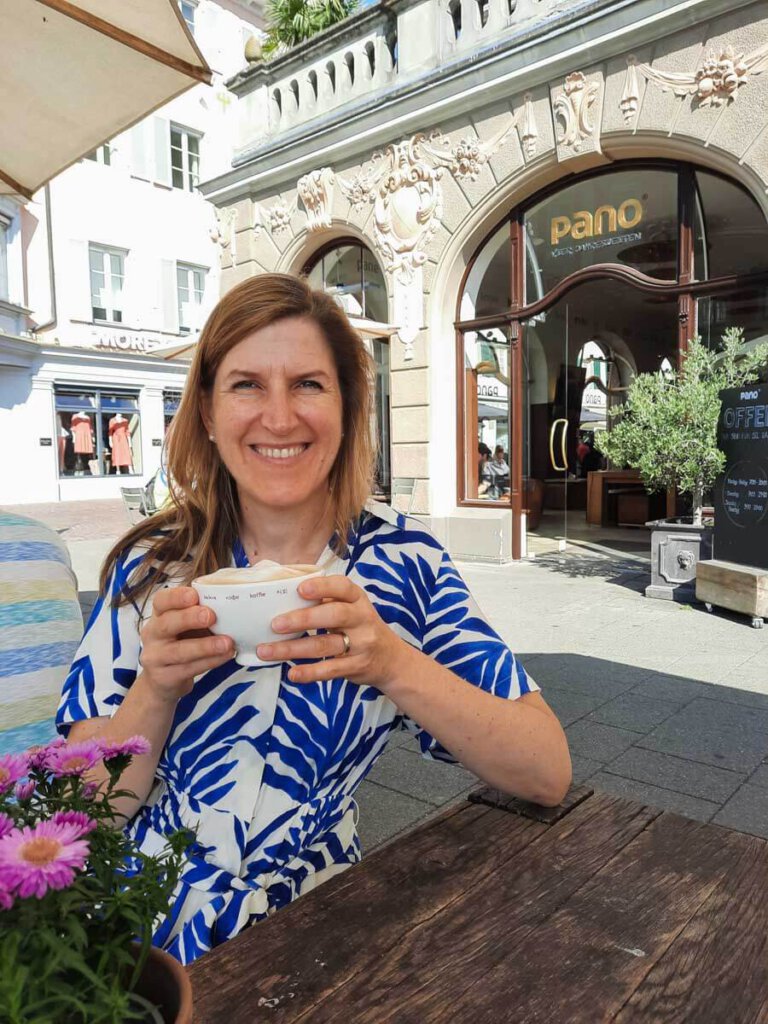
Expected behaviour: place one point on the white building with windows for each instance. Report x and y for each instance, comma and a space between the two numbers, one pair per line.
102, 275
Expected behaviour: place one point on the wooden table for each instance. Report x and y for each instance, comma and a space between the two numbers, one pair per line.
613, 912
599, 482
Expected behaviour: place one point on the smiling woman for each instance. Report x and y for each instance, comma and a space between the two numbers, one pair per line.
270, 458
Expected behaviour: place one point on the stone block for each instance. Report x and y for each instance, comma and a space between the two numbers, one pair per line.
420, 498
507, 156
583, 768
410, 460
713, 732
743, 119
456, 206
235, 275
568, 705
409, 773
409, 387
411, 425
633, 711
654, 796
384, 813
747, 811
261, 248
599, 742
439, 239
704, 781
680, 52
483, 536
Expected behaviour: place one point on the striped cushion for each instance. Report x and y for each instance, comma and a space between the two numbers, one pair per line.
40, 626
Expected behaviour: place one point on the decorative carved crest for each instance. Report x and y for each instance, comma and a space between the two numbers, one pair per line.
316, 193
223, 232
575, 108
716, 81
526, 126
403, 183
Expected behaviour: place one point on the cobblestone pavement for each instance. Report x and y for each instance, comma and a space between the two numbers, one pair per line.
662, 703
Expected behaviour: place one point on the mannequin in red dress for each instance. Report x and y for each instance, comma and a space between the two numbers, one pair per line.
82, 431
120, 443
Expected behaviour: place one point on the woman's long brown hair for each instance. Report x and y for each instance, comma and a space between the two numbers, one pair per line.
194, 535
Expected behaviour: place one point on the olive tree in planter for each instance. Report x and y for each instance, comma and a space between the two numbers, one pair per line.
667, 429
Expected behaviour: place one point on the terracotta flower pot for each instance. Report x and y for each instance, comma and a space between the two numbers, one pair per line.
165, 983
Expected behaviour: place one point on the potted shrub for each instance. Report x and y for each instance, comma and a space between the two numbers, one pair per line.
77, 898
667, 429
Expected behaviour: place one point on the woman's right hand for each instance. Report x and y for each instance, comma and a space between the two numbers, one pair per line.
176, 644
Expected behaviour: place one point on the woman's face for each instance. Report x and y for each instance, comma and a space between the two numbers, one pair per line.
275, 412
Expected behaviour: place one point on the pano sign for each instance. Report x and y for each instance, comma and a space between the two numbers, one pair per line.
606, 220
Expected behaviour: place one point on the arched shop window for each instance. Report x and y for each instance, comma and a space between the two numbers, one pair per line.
585, 285
351, 273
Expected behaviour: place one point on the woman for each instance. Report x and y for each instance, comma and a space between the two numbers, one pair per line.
270, 457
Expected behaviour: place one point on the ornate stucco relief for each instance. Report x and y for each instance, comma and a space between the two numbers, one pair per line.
274, 218
576, 109
716, 81
316, 193
223, 232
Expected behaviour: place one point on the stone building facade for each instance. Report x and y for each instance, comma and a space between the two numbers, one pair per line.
521, 176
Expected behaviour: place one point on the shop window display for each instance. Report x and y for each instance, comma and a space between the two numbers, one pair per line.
98, 434
486, 414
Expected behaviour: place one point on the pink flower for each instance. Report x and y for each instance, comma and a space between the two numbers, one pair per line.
12, 768
42, 857
133, 745
38, 755
24, 790
6, 896
79, 820
6, 825
73, 758
90, 789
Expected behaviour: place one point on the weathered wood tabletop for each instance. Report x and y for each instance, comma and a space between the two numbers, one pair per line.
611, 911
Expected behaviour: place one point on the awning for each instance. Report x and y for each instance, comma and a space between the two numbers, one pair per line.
75, 73
184, 347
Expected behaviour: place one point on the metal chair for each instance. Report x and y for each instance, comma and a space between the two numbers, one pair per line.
405, 486
134, 500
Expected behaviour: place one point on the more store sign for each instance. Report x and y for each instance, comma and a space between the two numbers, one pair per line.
124, 342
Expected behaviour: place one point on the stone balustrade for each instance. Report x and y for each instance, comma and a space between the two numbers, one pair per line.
377, 48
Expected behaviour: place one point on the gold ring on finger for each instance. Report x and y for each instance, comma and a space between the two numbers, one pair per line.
345, 640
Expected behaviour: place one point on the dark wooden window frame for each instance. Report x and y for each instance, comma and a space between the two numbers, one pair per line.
684, 287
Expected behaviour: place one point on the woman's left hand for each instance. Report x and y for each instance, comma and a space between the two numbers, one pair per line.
369, 655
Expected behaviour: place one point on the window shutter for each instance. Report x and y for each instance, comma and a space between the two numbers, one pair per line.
141, 147
162, 140
170, 296
78, 290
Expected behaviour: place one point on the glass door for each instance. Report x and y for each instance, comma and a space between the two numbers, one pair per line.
579, 357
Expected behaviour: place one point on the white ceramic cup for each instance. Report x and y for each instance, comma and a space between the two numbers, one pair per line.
245, 610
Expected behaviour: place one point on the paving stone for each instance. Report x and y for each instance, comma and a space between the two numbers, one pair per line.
760, 777
633, 711
570, 706
713, 732
599, 742
384, 813
402, 770
747, 811
584, 767
592, 676
669, 687
677, 773
655, 796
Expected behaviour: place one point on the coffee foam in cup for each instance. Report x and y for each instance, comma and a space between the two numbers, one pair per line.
264, 571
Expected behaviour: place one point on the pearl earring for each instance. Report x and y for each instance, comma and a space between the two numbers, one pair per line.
211, 437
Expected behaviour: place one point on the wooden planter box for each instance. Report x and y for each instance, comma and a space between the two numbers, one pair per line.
740, 588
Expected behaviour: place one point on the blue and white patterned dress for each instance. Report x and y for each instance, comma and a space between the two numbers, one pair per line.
266, 769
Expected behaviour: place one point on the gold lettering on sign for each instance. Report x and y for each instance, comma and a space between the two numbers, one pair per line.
605, 220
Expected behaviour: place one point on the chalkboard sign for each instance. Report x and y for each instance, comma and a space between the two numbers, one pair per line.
741, 493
